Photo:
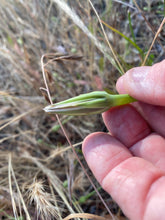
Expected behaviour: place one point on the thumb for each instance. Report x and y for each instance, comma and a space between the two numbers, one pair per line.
146, 84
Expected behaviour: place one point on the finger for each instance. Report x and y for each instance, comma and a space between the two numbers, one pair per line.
151, 148
128, 179
101, 151
154, 115
145, 84
155, 201
126, 124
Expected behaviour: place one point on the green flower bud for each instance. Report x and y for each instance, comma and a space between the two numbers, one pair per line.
89, 103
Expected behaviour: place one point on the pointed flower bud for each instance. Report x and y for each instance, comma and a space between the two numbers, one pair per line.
89, 103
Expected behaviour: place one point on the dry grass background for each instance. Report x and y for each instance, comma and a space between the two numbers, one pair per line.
39, 175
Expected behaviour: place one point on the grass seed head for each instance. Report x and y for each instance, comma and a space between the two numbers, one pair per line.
43, 200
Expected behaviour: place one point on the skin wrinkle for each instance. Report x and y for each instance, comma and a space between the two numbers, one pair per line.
120, 183
117, 155
115, 167
96, 152
154, 115
144, 149
125, 179
139, 136
147, 197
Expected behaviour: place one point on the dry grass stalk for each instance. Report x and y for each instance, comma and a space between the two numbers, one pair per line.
87, 216
155, 37
20, 198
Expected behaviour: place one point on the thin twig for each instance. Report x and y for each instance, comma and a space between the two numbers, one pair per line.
44, 77
148, 23
11, 171
84, 215
11, 190
106, 38
156, 35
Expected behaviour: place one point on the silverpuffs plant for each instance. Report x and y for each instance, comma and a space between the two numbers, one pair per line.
89, 103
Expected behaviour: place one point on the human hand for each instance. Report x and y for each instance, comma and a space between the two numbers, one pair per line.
130, 163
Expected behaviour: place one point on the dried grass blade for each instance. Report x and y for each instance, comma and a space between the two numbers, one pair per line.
85, 215
156, 35
11, 171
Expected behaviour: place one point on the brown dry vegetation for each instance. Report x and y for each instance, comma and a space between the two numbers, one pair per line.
39, 175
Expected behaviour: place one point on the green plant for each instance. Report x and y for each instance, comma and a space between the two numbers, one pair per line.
89, 103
